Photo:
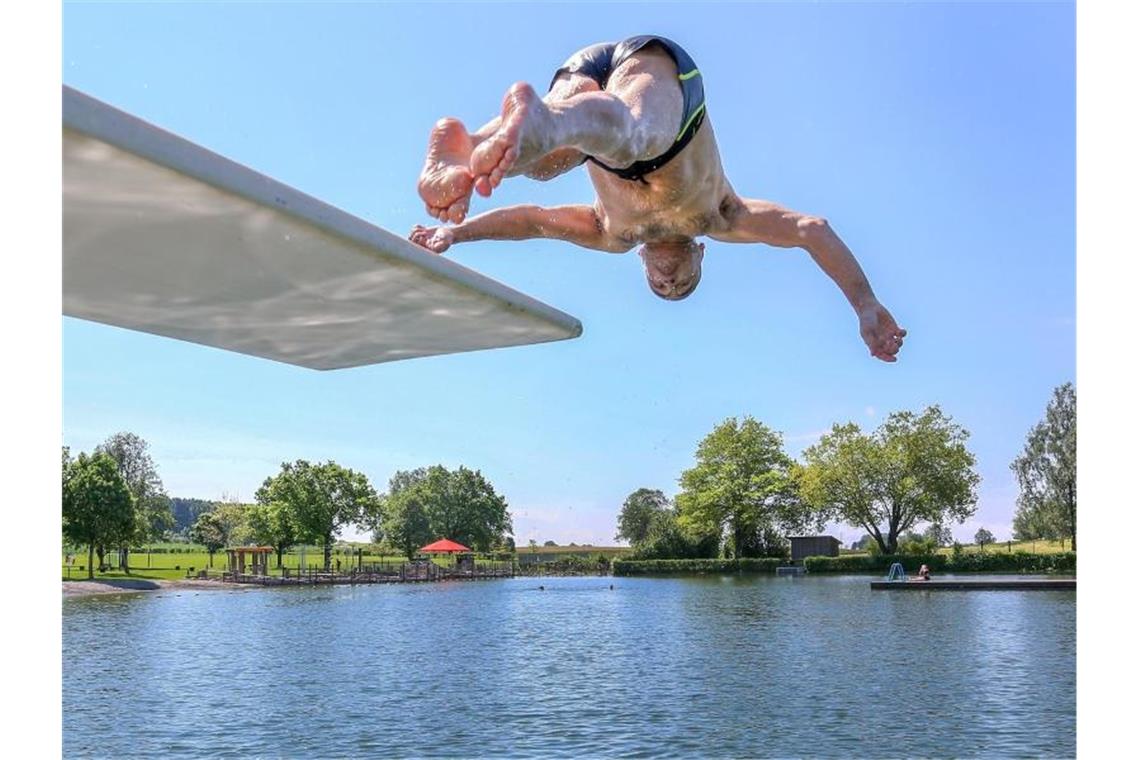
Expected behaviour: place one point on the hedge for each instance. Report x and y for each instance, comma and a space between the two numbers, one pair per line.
998, 562
695, 566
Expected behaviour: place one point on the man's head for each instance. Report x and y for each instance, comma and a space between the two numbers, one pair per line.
673, 269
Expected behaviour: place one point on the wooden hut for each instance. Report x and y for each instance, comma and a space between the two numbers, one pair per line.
813, 546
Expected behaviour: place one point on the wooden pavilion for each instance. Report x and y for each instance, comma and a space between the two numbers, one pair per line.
249, 560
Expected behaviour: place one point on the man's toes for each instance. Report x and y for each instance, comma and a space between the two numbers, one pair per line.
483, 185
457, 212
510, 156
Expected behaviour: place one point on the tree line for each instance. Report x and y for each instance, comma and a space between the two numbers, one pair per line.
114, 499
745, 494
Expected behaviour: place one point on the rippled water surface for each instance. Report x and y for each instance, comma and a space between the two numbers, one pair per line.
752, 666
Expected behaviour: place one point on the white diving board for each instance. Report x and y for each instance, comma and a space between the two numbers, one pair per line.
164, 236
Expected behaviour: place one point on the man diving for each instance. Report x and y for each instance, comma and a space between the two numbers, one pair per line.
635, 110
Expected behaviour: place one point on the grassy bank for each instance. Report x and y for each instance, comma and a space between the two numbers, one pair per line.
173, 561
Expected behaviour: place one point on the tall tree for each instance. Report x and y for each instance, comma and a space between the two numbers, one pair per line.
983, 537
637, 514
405, 522
272, 525
210, 531
97, 505
461, 505
152, 507
1046, 471
234, 518
321, 499
913, 468
742, 483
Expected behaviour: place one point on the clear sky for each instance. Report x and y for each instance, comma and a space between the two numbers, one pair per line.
938, 139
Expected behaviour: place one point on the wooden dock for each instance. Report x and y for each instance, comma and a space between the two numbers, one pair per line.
410, 572
988, 584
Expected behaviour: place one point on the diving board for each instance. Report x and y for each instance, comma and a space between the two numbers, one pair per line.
164, 236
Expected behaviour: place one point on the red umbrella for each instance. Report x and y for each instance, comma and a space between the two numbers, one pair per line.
444, 546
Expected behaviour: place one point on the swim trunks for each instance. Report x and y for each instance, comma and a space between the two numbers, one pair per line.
599, 61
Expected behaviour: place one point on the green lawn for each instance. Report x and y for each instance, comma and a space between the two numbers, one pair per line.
1031, 547
172, 566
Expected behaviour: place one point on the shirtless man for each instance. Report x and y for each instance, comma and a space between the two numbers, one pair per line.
636, 111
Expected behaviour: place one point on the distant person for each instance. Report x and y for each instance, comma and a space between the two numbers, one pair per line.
636, 111
923, 574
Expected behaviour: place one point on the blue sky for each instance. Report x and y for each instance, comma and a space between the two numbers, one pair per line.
938, 140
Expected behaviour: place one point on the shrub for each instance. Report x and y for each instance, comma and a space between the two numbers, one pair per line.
695, 566
1017, 562
873, 563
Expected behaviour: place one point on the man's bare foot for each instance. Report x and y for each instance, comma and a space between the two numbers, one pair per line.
518, 141
445, 182
435, 239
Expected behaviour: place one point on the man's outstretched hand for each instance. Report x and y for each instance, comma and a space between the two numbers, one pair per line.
435, 239
880, 332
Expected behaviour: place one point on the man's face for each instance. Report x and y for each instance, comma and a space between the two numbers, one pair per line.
673, 270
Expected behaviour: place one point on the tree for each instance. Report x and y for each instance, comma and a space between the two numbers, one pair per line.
272, 525
210, 531
913, 542
460, 505
321, 499
550, 543
97, 505
637, 514
405, 524
913, 468
742, 483
463, 506
983, 537
667, 538
1046, 472
938, 535
152, 514
235, 520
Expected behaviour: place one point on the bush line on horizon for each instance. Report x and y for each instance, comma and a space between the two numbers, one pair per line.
1015, 562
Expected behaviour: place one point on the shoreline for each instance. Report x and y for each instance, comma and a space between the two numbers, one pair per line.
86, 588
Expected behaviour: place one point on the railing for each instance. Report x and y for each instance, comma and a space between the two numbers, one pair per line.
404, 572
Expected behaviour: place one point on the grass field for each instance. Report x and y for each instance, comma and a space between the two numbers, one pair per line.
170, 566
1032, 547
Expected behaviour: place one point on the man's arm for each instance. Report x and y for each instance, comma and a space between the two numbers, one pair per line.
575, 224
758, 221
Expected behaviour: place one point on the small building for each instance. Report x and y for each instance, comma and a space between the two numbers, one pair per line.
813, 546
249, 560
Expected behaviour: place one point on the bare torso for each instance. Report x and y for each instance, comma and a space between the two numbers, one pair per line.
685, 199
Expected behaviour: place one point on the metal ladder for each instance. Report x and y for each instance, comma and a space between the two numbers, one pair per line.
896, 573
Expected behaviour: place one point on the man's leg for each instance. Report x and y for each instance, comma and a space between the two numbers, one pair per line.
446, 182
635, 118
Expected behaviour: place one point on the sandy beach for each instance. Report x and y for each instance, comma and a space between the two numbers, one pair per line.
138, 586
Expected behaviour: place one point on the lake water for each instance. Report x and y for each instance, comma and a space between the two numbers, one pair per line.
712, 667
